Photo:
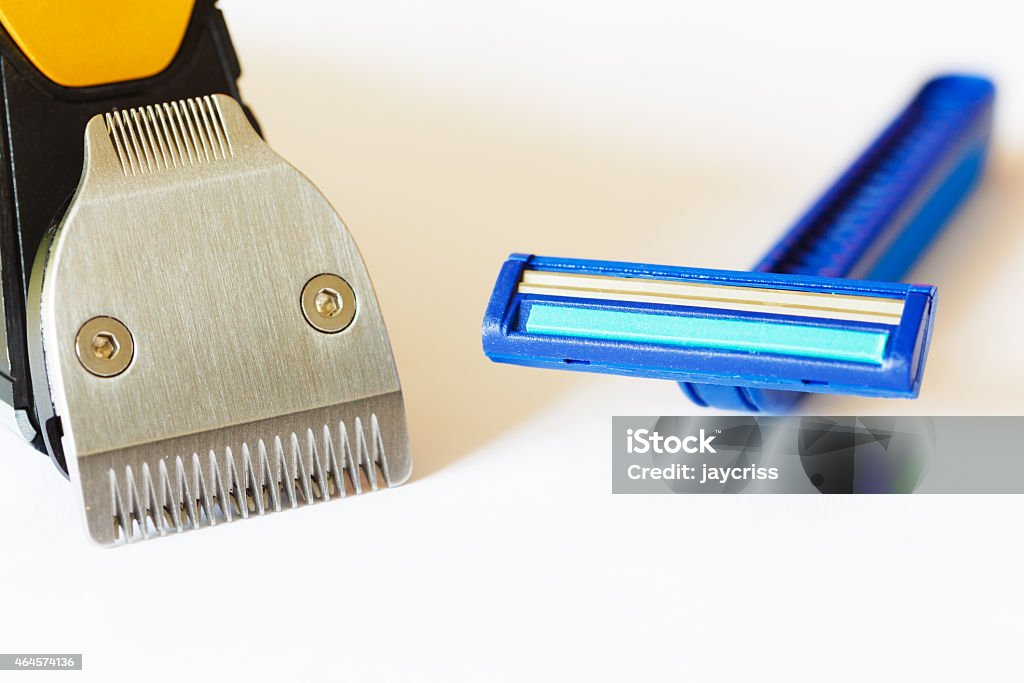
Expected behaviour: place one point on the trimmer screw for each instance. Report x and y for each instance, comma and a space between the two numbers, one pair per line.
104, 346
328, 303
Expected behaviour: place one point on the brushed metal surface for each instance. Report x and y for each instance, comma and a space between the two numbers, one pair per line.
190, 230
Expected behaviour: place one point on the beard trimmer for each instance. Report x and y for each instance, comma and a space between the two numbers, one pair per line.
191, 333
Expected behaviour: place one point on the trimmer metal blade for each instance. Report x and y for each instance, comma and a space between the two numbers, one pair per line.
211, 340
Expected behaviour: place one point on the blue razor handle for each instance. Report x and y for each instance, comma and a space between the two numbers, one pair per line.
884, 211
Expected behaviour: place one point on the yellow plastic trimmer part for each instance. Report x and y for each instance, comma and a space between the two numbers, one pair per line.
94, 42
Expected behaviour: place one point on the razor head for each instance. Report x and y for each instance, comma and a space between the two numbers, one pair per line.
211, 340
760, 330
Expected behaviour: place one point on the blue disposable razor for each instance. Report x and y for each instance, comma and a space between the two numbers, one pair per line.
798, 323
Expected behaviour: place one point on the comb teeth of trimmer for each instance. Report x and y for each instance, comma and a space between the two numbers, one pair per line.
169, 135
211, 340
153, 493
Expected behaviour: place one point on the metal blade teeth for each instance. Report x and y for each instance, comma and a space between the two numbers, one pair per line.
171, 135
198, 490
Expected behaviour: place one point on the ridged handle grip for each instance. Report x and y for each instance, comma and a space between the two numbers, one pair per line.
848, 231
884, 211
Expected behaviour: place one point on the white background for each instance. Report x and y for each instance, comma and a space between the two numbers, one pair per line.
449, 133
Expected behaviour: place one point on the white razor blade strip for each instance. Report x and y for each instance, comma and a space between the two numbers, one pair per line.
856, 308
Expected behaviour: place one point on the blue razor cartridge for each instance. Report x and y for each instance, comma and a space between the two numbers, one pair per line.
757, 341
884, 211
762, 330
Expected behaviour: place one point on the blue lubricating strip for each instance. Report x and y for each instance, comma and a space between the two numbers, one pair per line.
808, 341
